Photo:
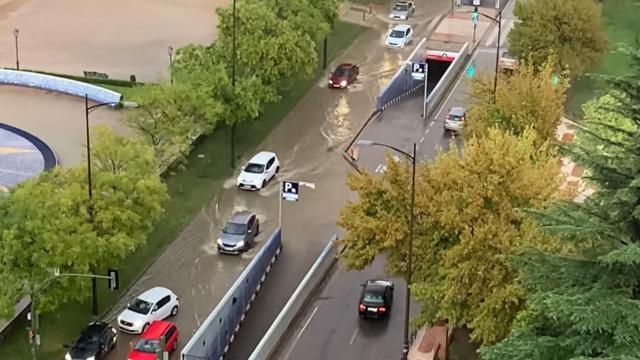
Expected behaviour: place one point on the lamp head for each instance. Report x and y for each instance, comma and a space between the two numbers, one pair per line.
16, 32
170, 50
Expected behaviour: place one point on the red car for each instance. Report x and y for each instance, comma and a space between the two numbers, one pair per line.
147, 346
344, 75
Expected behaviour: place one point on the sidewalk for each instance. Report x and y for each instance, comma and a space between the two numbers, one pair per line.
430, 344
573, 183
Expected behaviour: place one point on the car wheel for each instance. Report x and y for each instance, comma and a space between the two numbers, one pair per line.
257, 229
144, 328
277, 169
174, 311
264, 183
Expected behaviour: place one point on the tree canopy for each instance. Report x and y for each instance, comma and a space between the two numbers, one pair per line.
45, 221
525, 99
467, 225
569, 30
584, 301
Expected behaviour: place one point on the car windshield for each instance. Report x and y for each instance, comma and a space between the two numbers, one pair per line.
254, 168
140, 307
373, 298
235, 229
400, 7
397, 34
147, 346
509, 55
341, 71
87, 342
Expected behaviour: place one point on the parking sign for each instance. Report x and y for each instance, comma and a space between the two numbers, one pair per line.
290, 190
418, 70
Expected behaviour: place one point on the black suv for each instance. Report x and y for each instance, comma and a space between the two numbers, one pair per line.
94, 342
376, 299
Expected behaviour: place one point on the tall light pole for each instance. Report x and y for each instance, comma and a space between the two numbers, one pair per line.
87, 110
16, 32
233, 84
170, 52
498, 21
412, 157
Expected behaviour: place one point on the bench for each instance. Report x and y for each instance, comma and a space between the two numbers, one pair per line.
96, 75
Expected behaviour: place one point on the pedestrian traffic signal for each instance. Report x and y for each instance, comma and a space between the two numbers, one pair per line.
475, 15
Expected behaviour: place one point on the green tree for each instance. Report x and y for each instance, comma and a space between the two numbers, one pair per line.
584, 302
524, 99
267, 47
569, 30
302, 16
45, 221
467, 226
328, 8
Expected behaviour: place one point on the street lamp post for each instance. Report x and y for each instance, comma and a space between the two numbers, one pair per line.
233, 84
170, 52
412, 157
16, 32
498, 21
88, 110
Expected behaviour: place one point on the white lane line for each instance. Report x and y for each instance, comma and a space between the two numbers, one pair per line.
421, 139
426, 132
379, 168
462, 73
353, 337
300, 333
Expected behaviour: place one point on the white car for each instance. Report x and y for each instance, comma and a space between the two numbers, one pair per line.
154, 304
399, 36
259, 170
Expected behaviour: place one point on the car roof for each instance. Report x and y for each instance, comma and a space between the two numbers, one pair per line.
402, 27
154, 294
457, 111
241, 217
262, 157
345, 65
156, 329
95, 328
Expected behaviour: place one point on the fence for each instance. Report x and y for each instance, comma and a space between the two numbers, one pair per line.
269, 343
215, 335
58, 84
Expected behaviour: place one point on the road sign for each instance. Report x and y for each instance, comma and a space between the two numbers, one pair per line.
555, 79
418, 70
290, 190
470, 71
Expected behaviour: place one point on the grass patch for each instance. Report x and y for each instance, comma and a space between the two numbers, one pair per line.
190, 191
622, 27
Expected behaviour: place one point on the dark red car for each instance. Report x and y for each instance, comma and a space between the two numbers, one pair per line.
344, 75
147, 346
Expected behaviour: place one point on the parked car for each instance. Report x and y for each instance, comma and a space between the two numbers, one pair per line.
344, 75
147, 346
93, 343
154, 304
259, 170
399, 36
455, 119
238, 233
402, 10
508, 61
376, 299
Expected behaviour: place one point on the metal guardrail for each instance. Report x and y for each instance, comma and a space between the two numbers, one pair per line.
271, 340
58, 84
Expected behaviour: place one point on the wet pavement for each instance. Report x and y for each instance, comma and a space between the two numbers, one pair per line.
56, 119
330, 327
308, 142
117, 37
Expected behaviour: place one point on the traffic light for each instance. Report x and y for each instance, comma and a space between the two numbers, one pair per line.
114, 281
475, 15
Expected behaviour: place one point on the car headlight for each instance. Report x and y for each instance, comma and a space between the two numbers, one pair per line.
240, 244
330, 81
343, 83
219, 241
67, 357
91, 358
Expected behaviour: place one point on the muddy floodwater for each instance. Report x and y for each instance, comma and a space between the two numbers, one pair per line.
56, 119
117, 37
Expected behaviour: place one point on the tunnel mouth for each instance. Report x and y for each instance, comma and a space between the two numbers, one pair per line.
437, 69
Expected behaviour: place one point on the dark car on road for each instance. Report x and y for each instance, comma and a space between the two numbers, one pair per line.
344, 75
376, 299
93, 343
239, 232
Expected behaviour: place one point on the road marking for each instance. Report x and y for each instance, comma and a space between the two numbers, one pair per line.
455, 87
426, 132
353, 337
380, 168
300, 333
421, 139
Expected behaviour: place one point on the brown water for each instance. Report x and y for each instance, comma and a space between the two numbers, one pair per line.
117, 37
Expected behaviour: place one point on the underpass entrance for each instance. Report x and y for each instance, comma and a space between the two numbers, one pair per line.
438, 63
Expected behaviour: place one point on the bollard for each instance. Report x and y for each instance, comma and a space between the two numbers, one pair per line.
363, 15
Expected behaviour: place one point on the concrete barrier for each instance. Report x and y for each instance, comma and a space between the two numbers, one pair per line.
212, 340
269, 343
58, 84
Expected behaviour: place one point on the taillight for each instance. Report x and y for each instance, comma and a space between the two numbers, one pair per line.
382, 309
362, 307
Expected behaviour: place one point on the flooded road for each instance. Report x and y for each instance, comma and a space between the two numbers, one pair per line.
117, 37
56, 119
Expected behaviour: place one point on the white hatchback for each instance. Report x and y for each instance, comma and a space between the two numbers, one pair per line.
154, 304
259, 171
399, 36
